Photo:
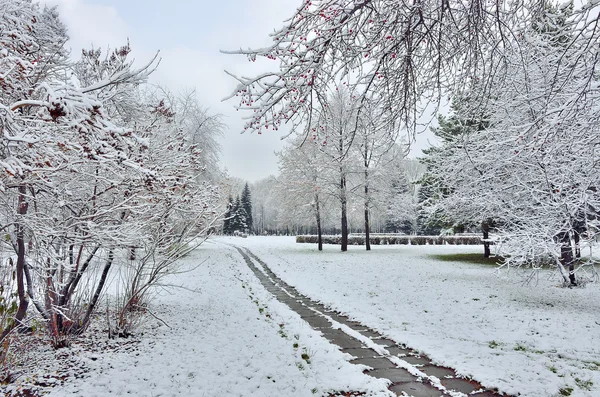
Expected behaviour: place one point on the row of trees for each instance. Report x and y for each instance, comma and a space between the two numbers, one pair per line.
305, 197
349, 159
524, 80
99, 174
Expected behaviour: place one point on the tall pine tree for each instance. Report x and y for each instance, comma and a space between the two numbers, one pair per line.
246, 203
238, 220
227, 223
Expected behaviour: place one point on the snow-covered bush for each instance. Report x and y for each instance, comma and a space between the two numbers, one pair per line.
382, 239
85, 175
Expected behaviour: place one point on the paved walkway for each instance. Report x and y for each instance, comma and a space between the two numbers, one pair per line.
409, 372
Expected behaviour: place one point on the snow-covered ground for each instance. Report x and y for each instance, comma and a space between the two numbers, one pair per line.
227, 337
533, 339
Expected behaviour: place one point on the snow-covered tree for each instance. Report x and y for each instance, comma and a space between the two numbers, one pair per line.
303, 174
246, 203
228, 217
265, 205
239, 216
88, 171
57, 135
403, 55
401, 196
375, 149
336, 128
533, 167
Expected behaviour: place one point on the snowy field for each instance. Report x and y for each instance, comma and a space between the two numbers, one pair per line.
536, 340
227, 337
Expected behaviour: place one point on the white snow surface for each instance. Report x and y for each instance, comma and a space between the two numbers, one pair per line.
525, 339
228, 336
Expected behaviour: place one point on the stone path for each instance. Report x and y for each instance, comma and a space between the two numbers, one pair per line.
409, 372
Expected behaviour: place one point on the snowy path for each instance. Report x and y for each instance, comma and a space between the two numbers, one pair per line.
535, 340
233, 338
408, 372
228, 337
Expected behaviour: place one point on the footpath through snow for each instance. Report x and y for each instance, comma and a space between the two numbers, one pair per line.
228, 336
529, 340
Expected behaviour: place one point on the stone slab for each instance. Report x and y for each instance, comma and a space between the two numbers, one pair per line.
487, 393
320, 307
305, 311
398, 351
374, 362
369, 333
277, 291
395, 375
295, 306
361, 352
461, 385
385, 342
316, 321
438, 371
415, 360
341, 339
355, 325
336, 317
416, 389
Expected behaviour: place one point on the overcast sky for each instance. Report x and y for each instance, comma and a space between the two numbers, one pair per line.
189, 35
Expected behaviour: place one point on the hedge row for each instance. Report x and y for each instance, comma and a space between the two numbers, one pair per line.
395, 240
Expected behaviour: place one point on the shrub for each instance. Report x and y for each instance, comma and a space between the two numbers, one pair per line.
383, 239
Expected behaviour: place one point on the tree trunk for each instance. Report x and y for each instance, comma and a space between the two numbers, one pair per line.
485, 227
31, 293
20, 232
80, 328
318, 216
367, 226
576, 239
344, 203
566, 255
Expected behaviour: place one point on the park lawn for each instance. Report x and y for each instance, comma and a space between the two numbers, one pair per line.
535, 338
225, 335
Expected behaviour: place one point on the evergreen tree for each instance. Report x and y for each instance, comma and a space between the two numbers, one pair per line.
238, 220
452, 131
228, 217
246, 203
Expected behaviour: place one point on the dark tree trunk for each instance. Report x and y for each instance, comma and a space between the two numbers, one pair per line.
576, 238
20, 232
485, 227
84, 324
319, 231
367, 225
344, 214
71, 285
367, 229
566, 255
31, 293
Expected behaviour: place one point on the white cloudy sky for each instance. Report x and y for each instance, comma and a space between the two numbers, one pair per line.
189, 35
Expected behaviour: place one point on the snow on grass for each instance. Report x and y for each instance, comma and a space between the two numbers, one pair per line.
533, 339
229, 338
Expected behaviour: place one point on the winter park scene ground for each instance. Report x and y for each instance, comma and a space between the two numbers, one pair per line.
331, 198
